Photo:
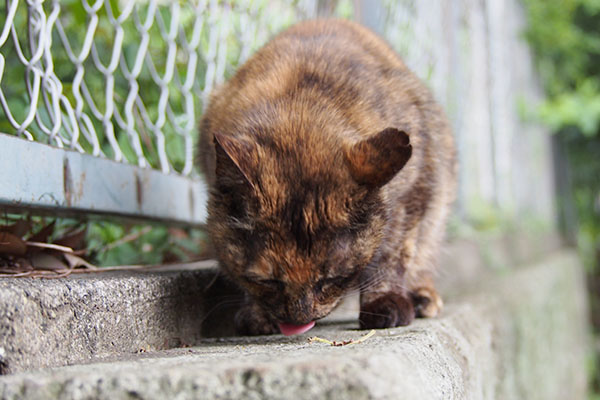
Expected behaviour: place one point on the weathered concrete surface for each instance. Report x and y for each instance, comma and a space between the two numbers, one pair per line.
521, 337
88, 317
91, 317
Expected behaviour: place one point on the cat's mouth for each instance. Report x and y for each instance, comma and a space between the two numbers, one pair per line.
291, 329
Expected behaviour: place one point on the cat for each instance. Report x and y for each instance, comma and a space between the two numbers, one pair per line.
331, 170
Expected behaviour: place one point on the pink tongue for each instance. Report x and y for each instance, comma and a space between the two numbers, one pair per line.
289, 329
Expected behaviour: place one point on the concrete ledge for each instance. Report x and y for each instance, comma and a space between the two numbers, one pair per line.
520, 337
109, 315
45, 323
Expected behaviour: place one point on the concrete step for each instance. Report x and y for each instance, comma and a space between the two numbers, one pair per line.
521, 336
54, 322
108, 315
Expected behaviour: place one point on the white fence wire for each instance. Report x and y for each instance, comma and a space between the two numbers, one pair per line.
126, 79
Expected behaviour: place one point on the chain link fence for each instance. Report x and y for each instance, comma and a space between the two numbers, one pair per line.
123, 83
126, 80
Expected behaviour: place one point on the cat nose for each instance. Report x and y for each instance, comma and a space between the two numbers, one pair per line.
300, 310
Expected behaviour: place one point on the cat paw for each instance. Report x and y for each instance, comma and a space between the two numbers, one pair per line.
427, 302
387, 311
250, 321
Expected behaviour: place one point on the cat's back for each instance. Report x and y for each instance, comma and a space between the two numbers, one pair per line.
340, 76
340, 49
332, 81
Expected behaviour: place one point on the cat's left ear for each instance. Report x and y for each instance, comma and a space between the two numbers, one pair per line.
236, 158
374, 161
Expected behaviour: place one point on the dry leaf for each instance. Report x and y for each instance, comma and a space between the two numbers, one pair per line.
19, 228
50, 247
48, 262
342, 343
11, 244
76, 261
73, 239
43, 234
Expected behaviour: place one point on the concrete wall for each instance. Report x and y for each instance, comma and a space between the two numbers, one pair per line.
517, 336
473, 56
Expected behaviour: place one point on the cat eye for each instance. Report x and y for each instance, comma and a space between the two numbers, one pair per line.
338, 281
273, 284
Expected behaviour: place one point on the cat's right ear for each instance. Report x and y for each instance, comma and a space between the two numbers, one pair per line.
374, 161
236, 158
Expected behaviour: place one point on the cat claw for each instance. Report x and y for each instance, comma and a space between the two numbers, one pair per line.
387, 311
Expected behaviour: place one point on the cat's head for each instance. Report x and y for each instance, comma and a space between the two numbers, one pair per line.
296, 227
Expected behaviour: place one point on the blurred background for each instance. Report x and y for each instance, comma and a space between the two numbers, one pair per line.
564, 37
127, 81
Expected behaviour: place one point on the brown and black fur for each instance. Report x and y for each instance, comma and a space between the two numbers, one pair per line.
331, 170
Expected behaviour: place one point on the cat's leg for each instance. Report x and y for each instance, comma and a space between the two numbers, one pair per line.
426, 300
385, 300
252, 320
421, 269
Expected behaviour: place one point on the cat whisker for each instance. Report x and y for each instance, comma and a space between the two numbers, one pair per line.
372, 313
220, 305
371, 282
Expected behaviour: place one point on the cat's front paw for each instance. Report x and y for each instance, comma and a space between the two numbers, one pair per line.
386, 311
427, 302
252, 321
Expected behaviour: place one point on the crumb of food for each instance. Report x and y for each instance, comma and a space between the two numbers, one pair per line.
343, 343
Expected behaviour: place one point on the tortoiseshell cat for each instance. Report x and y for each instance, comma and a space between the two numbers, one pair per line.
331, 170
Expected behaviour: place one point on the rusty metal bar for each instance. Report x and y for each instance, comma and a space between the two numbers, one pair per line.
45, 179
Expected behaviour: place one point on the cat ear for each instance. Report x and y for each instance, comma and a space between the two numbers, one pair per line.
376, 160
235, 156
